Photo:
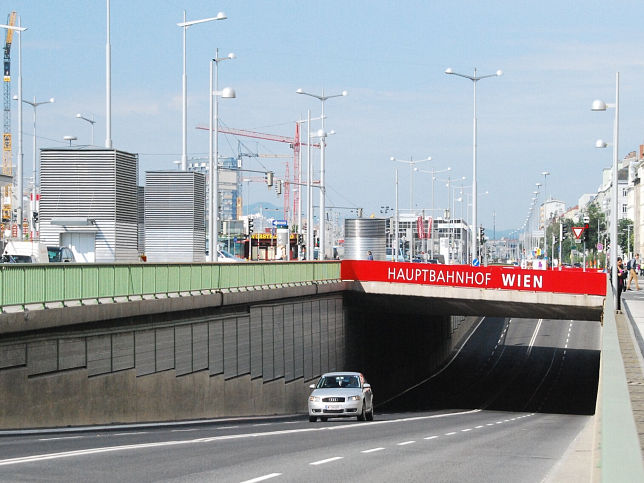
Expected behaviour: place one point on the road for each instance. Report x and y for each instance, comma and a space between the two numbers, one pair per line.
531, 382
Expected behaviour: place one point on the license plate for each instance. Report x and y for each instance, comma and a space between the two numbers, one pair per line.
333, 406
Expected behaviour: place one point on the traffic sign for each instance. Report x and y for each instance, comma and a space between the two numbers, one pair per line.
476, 262
600, 247
577, 231
280, 223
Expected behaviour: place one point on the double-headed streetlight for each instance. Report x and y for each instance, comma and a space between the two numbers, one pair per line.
19, 183
475, 78
412, 166
184, 119
602, 106
91, 121
213, 159
323, 99
35, 105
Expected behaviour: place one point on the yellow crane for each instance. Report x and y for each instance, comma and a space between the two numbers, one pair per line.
6, 136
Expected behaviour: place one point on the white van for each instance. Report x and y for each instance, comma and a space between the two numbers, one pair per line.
24, 252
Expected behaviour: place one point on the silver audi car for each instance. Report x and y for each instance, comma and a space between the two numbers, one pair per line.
341, 395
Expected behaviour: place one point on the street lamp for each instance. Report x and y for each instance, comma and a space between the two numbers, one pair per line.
213, 160
323, 99
599, 105
91, 121
19, 183
184, 119
34, 104
474, 80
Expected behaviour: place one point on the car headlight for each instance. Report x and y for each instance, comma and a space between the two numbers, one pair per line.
353, 398
314, 398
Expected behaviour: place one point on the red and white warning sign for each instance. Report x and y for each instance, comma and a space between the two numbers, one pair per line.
577, 231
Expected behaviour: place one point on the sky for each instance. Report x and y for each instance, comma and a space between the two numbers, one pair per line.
556, 58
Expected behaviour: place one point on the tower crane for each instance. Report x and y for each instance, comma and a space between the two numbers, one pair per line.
295, 143
6, 136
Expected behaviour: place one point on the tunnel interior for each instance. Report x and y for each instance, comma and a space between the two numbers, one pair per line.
417, 361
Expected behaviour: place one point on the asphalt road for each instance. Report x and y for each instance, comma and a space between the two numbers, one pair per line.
531, 384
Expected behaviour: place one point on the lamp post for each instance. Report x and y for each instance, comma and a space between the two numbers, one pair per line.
35, 105
213, 159
323, 99
412, 165
184, 116
19, 183
474, 80
91, 121
599, 105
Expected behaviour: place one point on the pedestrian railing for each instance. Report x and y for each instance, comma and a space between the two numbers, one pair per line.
25, 284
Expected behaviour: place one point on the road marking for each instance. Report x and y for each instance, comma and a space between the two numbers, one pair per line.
534, 336
404, 443
328, 460
212, 439
62, 437
431, 437
262, 424
499, 422
479, 427
449, 434
262, 478
183, 430
127, 434
372, 450
466, 430
490, 424
228, 427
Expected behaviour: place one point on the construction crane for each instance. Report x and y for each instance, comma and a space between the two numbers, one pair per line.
295, 143
6, 136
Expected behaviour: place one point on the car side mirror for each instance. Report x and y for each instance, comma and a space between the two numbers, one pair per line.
366, 385
312, 386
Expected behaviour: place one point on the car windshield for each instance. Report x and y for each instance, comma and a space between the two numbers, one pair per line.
54, 254
16, 259
339, 381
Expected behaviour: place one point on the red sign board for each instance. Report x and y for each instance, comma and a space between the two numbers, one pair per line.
577, 231
421, 227
496, 277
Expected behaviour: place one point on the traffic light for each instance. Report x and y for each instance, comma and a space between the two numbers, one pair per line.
269, 178
586, 233
35, 216
300, 239
481, 235
250, 226
278, 187
359, 212
564, 230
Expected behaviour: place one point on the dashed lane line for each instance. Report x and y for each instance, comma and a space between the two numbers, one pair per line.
372, 450
449, 434
405, 443
262, 478
328, 460
431, 437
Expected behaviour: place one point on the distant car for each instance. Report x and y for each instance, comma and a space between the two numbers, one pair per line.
60, 255
227, 257
6, 258
341, 394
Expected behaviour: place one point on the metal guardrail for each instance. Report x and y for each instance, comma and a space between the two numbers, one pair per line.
621, 459
24, 284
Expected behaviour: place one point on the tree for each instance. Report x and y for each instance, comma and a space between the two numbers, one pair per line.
625, 241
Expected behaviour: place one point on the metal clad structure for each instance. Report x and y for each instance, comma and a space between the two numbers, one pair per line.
362, 235
175, 229
89, 202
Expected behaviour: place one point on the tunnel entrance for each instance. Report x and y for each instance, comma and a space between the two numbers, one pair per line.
418, 361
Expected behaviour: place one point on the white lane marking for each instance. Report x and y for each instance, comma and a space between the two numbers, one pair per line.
499, 422
405, 443
372, 450
62, 437
490, 424
534, 336
228, 427
262, 478
130, 447
431, 437
466, 430
479, 427
449, 434
292, 422
262, 424
183, 430
328, 460
127, 434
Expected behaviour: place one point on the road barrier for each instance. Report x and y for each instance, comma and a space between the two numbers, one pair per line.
24, 284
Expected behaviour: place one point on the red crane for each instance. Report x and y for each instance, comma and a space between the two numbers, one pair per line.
295, 143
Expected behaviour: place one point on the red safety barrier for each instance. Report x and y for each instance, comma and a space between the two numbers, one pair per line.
495, 277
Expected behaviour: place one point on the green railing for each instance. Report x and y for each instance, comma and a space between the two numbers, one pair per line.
23, 284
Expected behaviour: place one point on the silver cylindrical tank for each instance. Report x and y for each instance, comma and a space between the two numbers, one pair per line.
362, 235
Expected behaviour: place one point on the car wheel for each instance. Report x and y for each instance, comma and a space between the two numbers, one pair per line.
370, 415
361, 416
324, 420
312, 419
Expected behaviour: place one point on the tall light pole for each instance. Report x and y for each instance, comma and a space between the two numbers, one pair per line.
213, 159
19, 182
35, 169
108, 83
412, 164
323, 99
91, 121
545, 175
602, 106
184, 116
474, 80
